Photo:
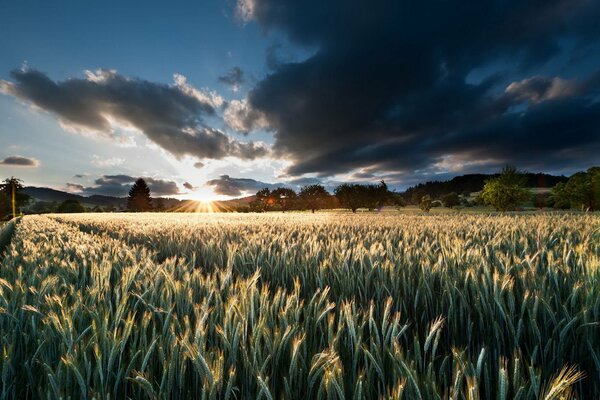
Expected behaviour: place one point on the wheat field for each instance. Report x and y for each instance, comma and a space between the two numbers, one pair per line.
301, 306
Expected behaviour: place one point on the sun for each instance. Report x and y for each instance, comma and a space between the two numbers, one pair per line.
200, 195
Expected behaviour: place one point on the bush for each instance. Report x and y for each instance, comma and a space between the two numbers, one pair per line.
70, 206
425, 203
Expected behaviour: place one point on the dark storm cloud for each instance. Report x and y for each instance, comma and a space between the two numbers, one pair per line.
19, 161
172, 116
199, 165
387, 88
234, 78
189, 186
229, 186
119, 185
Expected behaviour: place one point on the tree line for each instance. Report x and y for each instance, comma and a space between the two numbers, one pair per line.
13, 202
316, 197
505, 191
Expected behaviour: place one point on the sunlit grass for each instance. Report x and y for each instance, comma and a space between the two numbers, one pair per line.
301, 306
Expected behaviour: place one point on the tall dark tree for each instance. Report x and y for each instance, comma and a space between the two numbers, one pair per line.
12, 198
313, 197
139, 197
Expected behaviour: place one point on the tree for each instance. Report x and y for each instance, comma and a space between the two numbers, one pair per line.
376, 196
139, 197
261, 201
313, 197
425, 203
582, 190
12, 199
417, 195
450, 199
284, 198
42, 207
70, 206
349, 196
398, 201
506, 191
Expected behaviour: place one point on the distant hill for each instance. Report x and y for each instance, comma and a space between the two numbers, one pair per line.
58, 196
474, 183
120, 203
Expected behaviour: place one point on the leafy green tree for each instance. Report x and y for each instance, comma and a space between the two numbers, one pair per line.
582, 190
139, 197
506, 191
284, 198
12, 198
425, 203
70, 206
313, 197
450, 199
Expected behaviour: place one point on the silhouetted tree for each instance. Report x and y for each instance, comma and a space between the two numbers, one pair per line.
12, 198
375, 196
139, 197
284, 198
70, 206
350, 196
261, 201
313, 197
506, 191
450, 199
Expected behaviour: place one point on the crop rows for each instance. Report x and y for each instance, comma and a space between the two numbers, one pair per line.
300, 306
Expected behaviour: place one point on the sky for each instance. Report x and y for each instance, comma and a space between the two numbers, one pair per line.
216, 99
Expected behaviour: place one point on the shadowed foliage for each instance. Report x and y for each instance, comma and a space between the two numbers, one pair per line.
139, 197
